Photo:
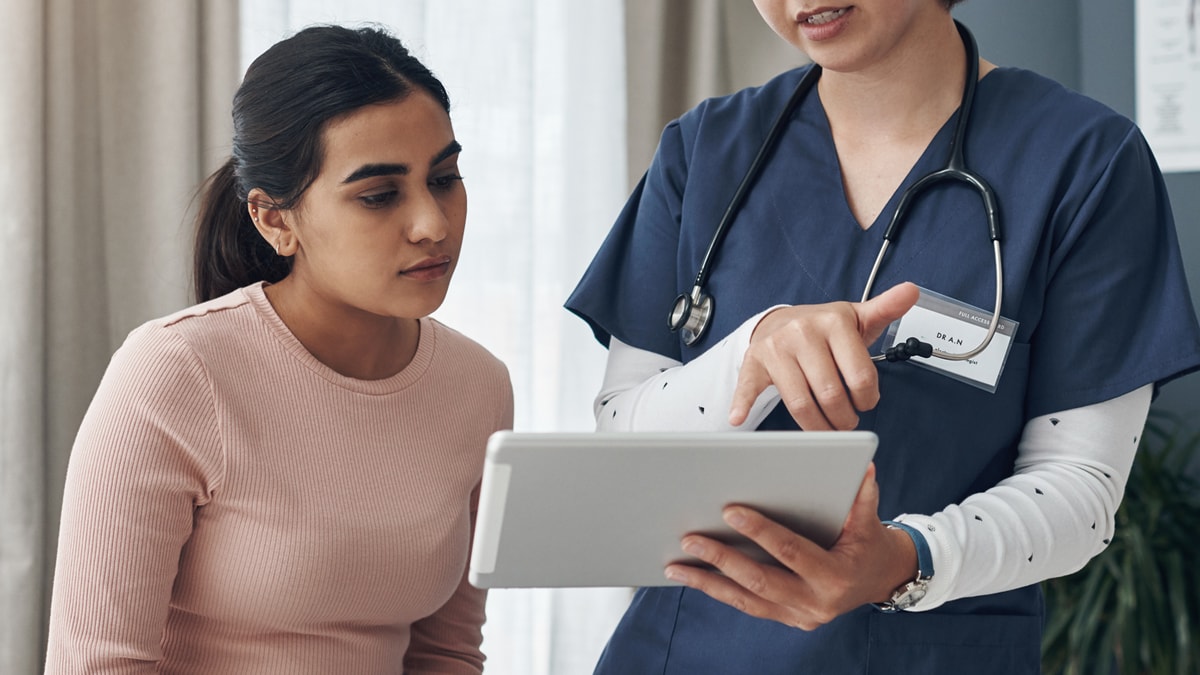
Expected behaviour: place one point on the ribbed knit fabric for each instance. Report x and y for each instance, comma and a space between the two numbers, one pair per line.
234, 506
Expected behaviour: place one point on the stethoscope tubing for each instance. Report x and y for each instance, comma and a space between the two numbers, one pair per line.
992, 325
692, 312
760, 159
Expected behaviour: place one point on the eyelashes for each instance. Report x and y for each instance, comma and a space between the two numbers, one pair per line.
445, 182
379, 199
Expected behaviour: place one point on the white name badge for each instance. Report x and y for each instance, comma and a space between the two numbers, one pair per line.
955, 327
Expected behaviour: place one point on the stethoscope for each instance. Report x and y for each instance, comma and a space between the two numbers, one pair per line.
692, 313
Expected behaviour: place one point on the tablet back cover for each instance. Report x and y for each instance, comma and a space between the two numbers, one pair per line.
609, 509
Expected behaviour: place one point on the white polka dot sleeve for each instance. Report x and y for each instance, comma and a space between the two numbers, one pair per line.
643, 391
1048, 519
1051, 516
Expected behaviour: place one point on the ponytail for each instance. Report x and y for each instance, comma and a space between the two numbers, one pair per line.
229, 251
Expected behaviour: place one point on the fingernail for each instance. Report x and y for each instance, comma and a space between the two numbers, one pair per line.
693, 547
674, 574
735, 518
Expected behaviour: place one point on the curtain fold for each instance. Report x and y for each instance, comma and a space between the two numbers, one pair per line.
22, 350
113, 112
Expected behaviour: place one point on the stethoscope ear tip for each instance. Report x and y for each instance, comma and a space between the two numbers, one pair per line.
903, 351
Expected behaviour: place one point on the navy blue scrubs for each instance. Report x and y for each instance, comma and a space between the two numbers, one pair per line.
1092, 273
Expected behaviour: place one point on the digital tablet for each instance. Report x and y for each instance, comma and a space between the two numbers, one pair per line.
609, 509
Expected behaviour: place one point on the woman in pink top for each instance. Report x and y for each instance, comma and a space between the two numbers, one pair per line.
283, 478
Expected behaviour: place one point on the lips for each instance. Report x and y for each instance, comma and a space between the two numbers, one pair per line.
824, 23
824, 16
428, 269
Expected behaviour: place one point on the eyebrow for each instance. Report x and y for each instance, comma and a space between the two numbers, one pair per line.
371, 170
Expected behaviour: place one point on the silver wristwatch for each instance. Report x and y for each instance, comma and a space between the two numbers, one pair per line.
908, 595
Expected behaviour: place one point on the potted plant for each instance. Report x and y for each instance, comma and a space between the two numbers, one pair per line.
1135, 608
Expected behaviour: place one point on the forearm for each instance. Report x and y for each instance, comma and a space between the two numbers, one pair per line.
1051, 516
643, 391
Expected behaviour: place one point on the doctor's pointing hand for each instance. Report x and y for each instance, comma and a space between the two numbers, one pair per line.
816, 357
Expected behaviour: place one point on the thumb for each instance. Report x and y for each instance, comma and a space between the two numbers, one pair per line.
865, 508
876, 314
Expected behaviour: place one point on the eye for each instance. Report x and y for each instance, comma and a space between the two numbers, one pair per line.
378, 199
445, 182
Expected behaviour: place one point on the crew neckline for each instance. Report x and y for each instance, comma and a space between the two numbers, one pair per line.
407, 376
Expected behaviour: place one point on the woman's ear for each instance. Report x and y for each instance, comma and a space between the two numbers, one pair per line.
271, 223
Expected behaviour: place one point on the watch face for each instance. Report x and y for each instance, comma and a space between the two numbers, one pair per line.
909, 595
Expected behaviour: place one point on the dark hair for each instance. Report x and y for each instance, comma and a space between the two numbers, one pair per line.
288, 96
951, 3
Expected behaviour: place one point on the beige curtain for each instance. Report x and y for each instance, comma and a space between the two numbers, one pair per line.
680, 52
111, 113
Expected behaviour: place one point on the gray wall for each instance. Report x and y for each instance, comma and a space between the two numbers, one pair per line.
1087, 45
1040, 35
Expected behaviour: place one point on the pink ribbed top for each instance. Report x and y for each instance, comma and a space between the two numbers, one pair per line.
234, 506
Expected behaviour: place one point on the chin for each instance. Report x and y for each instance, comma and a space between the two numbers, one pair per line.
419, 310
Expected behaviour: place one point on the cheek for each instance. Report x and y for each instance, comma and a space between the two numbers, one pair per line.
455, 211
777, 16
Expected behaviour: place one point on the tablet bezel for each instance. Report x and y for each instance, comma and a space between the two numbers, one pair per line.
609, 508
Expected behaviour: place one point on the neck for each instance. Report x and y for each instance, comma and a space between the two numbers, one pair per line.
349, 341
905, 97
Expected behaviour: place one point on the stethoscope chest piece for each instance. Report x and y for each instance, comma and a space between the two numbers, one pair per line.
690, 316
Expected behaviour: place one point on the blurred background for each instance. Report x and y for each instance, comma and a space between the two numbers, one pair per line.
112, 112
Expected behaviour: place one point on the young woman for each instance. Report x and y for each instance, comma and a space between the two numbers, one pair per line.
283, 478
1001, 468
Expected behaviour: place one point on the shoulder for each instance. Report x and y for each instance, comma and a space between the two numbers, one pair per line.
753, 108
231, 300
155, 406
475, 375
1016, 103
216, 330
770, 95
205, 316
155, 379
206, 326
1062, 151
1025, 89
457, 351
176, 345
723, 132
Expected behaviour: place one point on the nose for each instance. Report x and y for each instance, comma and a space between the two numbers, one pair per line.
428, 219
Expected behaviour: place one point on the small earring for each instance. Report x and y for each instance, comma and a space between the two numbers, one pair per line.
276, 247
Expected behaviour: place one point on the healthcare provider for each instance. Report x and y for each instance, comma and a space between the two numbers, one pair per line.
972, 261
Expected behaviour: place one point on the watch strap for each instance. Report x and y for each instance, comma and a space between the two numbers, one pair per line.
924, 555
911, 593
